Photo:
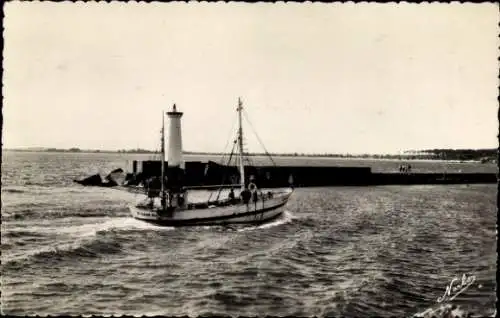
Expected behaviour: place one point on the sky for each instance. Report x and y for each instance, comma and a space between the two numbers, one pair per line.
313, 77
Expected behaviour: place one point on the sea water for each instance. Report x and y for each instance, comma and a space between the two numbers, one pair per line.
342, 251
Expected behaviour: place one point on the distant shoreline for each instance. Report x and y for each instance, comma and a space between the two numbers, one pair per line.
467, 155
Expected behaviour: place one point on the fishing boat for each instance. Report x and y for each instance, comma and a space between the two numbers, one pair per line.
169, 205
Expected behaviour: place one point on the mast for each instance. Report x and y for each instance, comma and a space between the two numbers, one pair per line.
240, 145
162, 193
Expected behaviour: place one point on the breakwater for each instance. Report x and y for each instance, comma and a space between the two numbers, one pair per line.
203, 174
431, 178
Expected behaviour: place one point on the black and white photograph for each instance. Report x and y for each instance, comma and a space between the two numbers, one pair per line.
249, 159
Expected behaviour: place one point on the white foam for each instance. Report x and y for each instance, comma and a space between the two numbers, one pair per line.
131, 223
42, 250
83, 233
286, 217
91, 229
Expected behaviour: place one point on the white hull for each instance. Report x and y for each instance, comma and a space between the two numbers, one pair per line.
251, 213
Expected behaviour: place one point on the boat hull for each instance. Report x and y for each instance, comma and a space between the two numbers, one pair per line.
235, 214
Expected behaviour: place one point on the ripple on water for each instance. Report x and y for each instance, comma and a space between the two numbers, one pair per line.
345, 251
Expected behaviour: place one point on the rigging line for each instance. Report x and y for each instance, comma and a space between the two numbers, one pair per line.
257, 170
246, 159
154, 156
258, 138
228, 140
224, 149
252, 164
224, 176
249, 161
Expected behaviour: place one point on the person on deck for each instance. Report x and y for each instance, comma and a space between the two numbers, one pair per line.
245, 196
255, 198
231, 196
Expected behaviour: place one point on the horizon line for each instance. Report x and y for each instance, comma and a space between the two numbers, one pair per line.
291, 153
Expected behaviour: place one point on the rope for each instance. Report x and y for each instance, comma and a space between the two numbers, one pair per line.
224, 177
258, 138
228, 139
247, 158
251, 163
224, 152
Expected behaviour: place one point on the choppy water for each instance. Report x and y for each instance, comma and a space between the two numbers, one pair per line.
344, 251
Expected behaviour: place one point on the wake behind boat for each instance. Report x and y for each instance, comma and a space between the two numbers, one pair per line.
167, 201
